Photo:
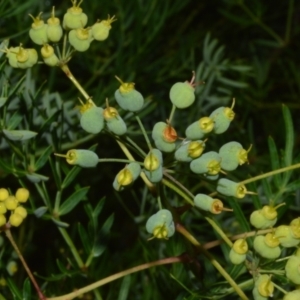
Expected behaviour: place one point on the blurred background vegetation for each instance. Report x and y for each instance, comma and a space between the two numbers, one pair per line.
247, 50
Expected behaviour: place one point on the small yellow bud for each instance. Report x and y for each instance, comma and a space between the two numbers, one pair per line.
22, 195
2, 220
20, 210
3, 194
15, 219
11, 203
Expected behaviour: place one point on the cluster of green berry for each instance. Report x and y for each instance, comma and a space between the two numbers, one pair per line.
12, 203
41, 33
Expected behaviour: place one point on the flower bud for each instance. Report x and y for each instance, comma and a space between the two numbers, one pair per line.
231, 188
74, 18
22, 195
100, 30
3, 209
208, 163
161, 224
3, 194
199, 129
20, 210
15, 219
38, 31
2, 220
11, 203
182, 94
128, 97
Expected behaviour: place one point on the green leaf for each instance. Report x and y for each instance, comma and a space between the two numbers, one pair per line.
13, 288
70, 176
107, 225
43, 158
14, 121
293, 186
3, 100
36, 178
60, 223
72, 201
232, 83
125, 287
27, 290
19, 135
275, 164
289, 136
40, 211
267, 188
85, 239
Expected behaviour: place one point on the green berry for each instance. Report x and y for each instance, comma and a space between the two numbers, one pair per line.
208, 163
222, 118
182, 94
92, 120
128, 97
83, 158
74, 18
38, 31
231, 188
199, 129
161, 224
54, 29
100, 30
80, 39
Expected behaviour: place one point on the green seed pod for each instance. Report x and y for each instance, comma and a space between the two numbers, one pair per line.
26, 58
199, 129
114, 121
127, 176
74, 18
155, 175
11, 54
231, 188
164, 146
292, 269
285, 236
100, 30
82, 158
295, 228
232, 155
236, 258
51, 61
153, 160
259, 221
38, 31
189, 150
264, 285
294, 295
222, 118
92, 120
211, 177
80, 39
128, 97
54, 29
161, 224
207, 203
158, 129
257, 295
267, 246
182, 94
208, 163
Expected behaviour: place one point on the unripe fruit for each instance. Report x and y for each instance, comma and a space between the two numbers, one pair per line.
2, 220
3, 194
208, 163
38, 31
127, 176
294, 295
100, 30
26, 58
74, 17
114, 121
15, 219
232, 155
285, 236
295, 228
199, 129
11, 54
128, 97
267, 246
222, 118
207, 203
20, 210
153, 160
92, 120
292, 269
189, 151
236, 258
161, 224
11, 203
54, 30
237, 253
182, 94
164, 146
80, 39
83, 158
164, 136
49, 56
22, 195
264, 285
257, 295
231, 188
156, 175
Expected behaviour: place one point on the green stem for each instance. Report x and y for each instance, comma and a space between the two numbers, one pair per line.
136, 146
72, 247
172, 113
116, 276
143, 131
67, 71
261, 24
30, 275
213, 261
57, 201
126, 161
177, 190
259, 177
